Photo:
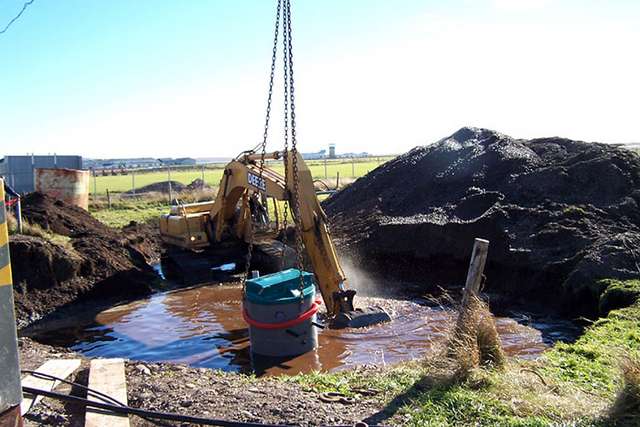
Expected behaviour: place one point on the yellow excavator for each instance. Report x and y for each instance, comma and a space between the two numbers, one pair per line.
240, 212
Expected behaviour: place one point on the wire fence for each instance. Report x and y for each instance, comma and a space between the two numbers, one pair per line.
175, 179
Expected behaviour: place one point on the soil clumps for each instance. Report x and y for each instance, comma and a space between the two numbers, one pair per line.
83, 260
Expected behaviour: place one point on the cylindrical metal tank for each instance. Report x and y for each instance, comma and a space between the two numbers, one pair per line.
69, 185
281, 318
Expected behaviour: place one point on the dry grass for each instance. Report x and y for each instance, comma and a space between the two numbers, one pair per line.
474, 341
626, 409
36, 230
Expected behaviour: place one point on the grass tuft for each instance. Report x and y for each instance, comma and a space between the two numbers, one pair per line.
35, 230
474, 340
626, 409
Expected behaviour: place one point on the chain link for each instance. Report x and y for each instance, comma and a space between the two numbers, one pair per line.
285, 60
294, 148
263, 145
284, 8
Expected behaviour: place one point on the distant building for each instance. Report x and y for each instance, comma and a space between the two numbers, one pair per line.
332, 151
135, 163
183, 161
19, 170
315, 156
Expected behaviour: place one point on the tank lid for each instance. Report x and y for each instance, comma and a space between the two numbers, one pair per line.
279, 288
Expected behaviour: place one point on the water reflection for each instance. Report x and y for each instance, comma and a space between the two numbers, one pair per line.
203, 327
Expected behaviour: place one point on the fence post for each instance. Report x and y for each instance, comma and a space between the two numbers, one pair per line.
353, 168
337, 180
202, 175
169, 182
476, 267
325, 168
108, 199
10, 386
95, 186
133, 182
18, 213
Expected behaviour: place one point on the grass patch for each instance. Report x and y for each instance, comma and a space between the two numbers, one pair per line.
579, 384
123, 212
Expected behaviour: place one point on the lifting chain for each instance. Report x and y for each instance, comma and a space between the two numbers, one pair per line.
294, 148
263, 144
285, 219
284, 8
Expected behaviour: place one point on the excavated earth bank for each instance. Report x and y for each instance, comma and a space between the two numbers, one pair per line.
94, 262
560, 215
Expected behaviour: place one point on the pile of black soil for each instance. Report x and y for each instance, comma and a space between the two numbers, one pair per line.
560, 215
90, 262
176, 187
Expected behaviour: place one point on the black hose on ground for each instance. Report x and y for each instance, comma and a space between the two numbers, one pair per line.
120, 408
128, 410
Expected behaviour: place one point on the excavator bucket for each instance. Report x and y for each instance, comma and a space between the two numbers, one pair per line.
360, 318
349, 317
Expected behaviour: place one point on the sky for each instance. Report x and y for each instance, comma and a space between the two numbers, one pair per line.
161, 78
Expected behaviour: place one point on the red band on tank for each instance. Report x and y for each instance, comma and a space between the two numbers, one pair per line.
282, 325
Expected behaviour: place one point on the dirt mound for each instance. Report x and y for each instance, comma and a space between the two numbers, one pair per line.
58, 217
159, 187
197, 184
95, 262
560, 214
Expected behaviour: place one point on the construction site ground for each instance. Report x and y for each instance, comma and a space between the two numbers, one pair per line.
552, 243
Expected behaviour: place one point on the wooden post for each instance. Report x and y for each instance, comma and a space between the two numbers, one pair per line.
169, 182
95, 187
476, 267
133, 182
202, 176
325, 168
337, 180
108, 199
19, 214
353, 168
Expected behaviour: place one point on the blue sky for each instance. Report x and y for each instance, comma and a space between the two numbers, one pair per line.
107, 78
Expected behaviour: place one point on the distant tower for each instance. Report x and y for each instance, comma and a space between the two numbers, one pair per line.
332, 151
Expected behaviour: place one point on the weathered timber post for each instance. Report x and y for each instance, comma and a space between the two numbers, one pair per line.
326, 176
169, 181
476, 267
10, 387
18, 213
337, 180
108, 199
133, 182
95, 186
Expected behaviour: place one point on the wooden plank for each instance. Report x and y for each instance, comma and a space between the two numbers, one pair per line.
61, 368
476, 267
107, 376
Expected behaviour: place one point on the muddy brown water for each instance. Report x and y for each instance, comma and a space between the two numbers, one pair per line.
203, 327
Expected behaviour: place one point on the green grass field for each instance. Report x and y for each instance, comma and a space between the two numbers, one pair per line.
213, 173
